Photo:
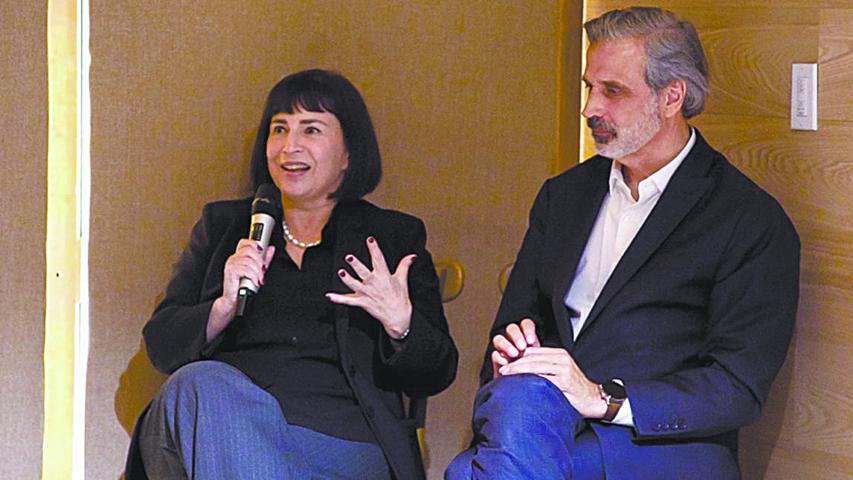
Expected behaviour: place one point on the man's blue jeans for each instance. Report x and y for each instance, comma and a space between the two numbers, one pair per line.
210, 421
524, 428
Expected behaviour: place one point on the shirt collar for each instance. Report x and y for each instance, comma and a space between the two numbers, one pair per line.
659, 179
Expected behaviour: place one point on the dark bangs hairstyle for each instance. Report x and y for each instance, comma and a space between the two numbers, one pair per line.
325, 91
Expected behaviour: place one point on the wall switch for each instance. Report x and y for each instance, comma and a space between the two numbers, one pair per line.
804, 96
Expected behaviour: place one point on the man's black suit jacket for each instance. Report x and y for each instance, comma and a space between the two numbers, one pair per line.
697, 316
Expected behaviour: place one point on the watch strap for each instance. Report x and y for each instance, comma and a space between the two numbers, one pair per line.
614, 401
612, 410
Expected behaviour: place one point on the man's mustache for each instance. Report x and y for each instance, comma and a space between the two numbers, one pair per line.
597, 123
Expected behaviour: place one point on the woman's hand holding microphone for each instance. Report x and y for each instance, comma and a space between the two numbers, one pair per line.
249, 261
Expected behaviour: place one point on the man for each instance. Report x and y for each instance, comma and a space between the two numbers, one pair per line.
653, 299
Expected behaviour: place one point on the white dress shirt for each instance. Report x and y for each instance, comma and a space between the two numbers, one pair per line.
618, 222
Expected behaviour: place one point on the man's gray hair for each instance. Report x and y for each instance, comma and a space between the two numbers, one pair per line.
673, 49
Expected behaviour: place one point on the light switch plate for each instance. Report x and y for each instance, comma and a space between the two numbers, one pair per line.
804, 96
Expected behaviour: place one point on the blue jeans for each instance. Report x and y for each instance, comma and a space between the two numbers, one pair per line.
524, 428
210, 421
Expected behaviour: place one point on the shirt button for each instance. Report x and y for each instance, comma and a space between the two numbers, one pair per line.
294, 340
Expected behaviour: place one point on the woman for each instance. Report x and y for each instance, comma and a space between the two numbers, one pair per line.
308, 382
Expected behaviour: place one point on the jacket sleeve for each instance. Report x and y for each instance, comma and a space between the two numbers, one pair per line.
751, 312
426, 363
176, 333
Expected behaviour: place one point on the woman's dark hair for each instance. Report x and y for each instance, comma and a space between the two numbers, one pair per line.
325, 91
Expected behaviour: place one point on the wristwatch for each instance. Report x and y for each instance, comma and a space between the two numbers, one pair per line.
614, 394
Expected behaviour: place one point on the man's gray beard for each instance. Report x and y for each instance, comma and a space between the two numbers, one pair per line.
630, 139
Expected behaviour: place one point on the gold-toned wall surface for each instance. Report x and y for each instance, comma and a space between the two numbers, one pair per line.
23, 149
807, 427
464, 99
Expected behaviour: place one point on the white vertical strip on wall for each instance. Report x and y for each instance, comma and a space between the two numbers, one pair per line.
81, 330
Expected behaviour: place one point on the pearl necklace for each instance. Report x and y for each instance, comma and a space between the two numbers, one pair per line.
290, 238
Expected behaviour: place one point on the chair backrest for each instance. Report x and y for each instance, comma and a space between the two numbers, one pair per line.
503, 277
451, 278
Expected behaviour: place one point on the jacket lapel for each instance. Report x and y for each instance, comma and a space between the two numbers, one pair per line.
584, 199
689, 184
348, 233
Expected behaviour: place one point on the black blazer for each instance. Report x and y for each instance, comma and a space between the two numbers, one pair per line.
697, 316
426, 364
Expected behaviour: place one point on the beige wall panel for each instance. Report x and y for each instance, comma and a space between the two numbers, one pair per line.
23, 148
463, 95
169, 132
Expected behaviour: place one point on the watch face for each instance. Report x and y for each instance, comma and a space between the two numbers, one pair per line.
614, 390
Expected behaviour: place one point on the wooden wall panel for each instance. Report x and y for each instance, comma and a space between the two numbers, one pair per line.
836, 64
806, 430
23, 150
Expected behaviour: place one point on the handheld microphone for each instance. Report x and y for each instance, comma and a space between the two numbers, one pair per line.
266, 212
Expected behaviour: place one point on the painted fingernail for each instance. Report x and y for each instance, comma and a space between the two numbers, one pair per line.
342, 273
349, 258
370, 239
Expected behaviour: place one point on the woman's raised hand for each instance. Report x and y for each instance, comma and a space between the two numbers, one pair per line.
382, 294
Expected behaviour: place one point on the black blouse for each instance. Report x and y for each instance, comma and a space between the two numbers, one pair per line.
292, 305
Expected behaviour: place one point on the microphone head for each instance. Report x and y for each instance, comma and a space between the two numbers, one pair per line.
267, 200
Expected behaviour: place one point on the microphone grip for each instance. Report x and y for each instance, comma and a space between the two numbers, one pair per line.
242, 301
260, 231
